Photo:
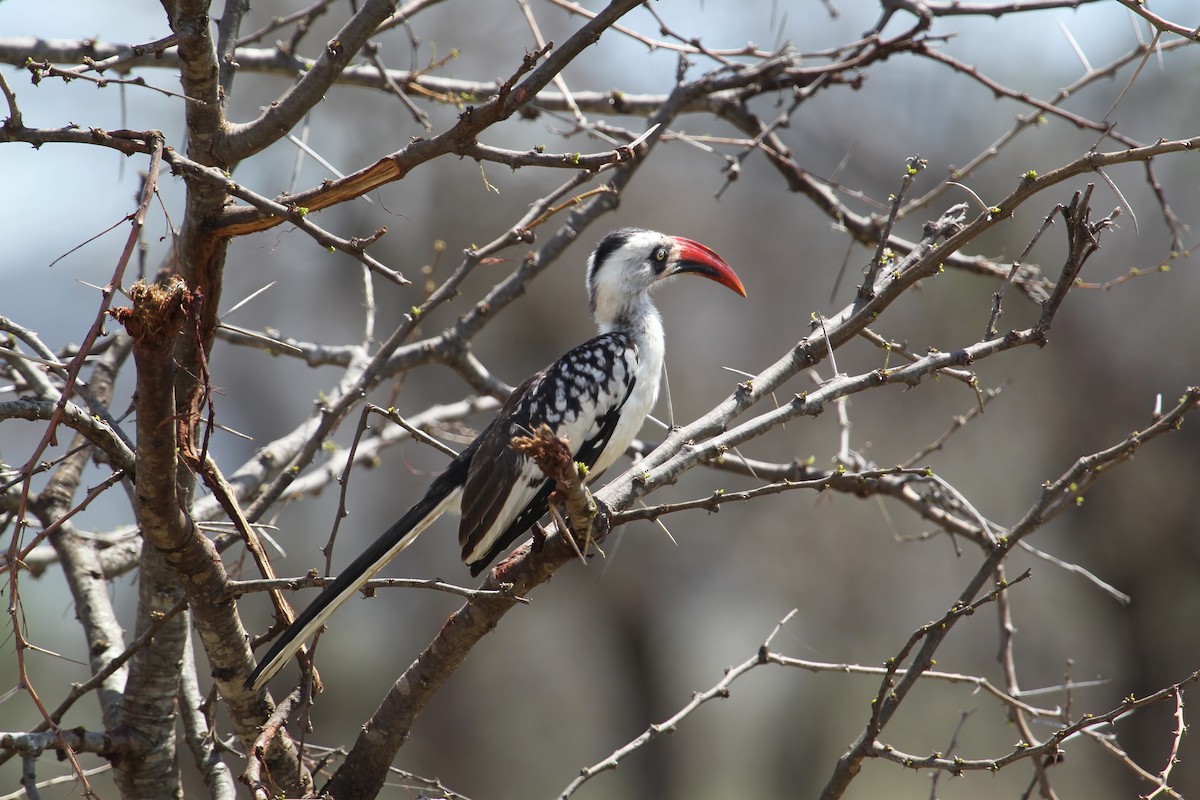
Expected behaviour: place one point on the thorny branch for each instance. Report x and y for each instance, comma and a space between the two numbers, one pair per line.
48, 389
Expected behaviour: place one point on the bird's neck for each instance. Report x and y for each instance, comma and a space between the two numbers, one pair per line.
643, 326
641, 322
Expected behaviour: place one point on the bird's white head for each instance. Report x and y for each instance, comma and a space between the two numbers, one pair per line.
629, 262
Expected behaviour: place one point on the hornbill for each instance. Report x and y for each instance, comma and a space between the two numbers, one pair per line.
594, 398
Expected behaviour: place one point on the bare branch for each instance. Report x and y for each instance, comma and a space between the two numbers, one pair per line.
1160, 23
722, 109
244, 140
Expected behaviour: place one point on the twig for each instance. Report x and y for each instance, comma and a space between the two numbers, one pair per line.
132, 53
891, 346
537, 157
415, 432
15, 120
1033, 119
313, 480
227, 497
1025, 750
851, 482
542, 44
344, 479
422, 119
1008, 664
720, 690
303, 149
912, 167
690, 47
409, 780
958, 423
314, 581
998, 297
256, 759
297, 215
40, 69
92, 493
1083, 239
199, 734
1160, 23
60, 411
1108, 743
1138, 272
1173, 758
305, 17
1042, 106
950, 748
61, 779
81, 689
1083, 572
312, 353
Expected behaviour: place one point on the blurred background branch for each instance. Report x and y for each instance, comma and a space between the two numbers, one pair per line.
880, 175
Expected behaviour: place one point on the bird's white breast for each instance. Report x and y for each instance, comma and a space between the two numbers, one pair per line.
650, 345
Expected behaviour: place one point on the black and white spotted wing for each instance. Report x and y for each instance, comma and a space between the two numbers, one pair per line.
580, 397
503, 493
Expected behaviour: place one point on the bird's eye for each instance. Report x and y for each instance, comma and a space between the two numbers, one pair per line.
660, 258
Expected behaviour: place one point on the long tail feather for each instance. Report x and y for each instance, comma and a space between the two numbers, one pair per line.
445, 491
